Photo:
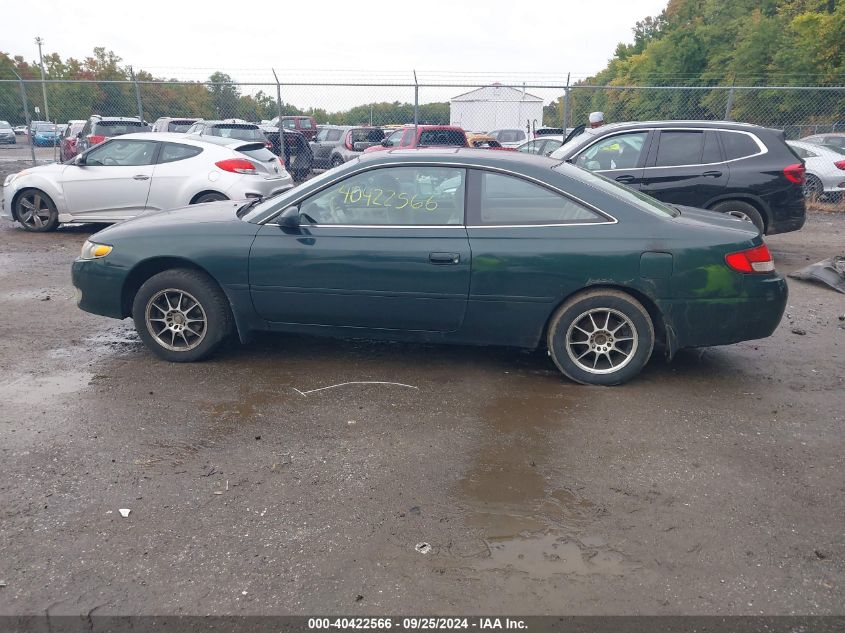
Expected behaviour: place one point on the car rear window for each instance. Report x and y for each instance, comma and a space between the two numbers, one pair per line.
179, 126
116, 128
367, 135
510, 136
257, 151
442, 137
738, 145
239, 131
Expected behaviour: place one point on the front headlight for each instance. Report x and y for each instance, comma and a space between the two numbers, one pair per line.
92, 250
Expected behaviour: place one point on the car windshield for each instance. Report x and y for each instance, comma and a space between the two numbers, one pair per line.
442, 137
240, 131
271, 204
117, 128
179, 126
631, 196
45, 128
5, 124
574, 142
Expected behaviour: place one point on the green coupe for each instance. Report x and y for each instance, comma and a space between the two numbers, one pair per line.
442, 245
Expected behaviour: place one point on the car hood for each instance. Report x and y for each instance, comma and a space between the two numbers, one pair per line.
52, 169
698, 216
205, 215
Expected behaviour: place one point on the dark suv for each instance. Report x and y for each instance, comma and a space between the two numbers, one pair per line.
99, 128
744, 170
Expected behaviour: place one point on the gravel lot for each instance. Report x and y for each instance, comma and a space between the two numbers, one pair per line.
712, 485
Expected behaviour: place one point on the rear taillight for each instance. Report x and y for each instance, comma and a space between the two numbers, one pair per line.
753, 260
348, 142
96, 139
794, 173
840, 164
237, 166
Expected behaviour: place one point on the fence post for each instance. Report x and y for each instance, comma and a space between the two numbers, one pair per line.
416, 104
137, 95
565, 106
282, 156
730, 104
26, 115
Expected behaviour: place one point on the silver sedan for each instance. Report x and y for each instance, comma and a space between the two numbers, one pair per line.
136, 173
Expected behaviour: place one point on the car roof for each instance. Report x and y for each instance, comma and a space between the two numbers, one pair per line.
187, 139
116, 118
465, 155
823, 134
673, 124
228, 122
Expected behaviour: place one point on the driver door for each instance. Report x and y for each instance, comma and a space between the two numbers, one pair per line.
114, 182
383, 249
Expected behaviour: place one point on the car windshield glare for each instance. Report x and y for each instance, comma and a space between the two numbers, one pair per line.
273, 203
631, 196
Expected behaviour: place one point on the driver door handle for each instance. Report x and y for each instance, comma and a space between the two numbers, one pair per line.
714, 173
626, 178
140, 177
444, 258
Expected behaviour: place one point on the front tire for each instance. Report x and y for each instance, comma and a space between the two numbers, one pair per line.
181, 315
742, 211
601, 337
36, 211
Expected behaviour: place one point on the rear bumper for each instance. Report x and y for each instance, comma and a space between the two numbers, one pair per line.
722, 321
788, 211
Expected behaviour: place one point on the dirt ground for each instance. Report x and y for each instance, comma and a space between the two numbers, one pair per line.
711, 485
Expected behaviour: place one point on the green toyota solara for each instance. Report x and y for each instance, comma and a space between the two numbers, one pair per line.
442, 245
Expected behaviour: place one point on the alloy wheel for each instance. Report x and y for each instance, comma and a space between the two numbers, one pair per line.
601, 341
176, 320
33, 210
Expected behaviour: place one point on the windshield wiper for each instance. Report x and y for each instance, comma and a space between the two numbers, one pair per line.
246, 207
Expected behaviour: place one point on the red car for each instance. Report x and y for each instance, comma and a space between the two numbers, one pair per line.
306, 125
426, 136
67, 146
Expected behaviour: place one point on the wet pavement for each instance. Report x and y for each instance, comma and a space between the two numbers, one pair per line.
711, 485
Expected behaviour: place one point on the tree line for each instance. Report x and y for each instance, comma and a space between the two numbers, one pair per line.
217, 97
723, 43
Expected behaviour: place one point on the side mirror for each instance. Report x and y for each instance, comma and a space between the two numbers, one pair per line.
385, 143
289, 218
79, 159
79, 135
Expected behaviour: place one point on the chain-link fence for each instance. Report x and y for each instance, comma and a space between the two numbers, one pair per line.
476, 107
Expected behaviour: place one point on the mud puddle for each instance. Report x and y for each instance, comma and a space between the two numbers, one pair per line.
31, 389
528, 523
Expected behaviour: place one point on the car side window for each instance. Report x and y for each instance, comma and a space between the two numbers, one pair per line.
394, 139
334, 135
171, 152
391, 196
305, 124
122, 153
529, 148
679, 147
407, 138
620, 151
511, 200
738, 145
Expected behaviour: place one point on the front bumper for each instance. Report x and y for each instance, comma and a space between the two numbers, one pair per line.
99, 287
726, 320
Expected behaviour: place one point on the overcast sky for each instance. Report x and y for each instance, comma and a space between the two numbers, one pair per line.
466, 36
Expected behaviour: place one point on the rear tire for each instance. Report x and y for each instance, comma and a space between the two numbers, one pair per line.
36, 211
743, 211
813, 187
181, 315
601, 337
210, 197
337, 161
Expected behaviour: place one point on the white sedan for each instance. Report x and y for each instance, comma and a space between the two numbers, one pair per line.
825, 169
135, 173
542, 145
